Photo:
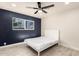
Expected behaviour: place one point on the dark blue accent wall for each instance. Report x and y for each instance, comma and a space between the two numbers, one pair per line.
14, 36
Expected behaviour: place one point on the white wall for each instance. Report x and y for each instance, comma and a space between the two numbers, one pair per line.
68, 23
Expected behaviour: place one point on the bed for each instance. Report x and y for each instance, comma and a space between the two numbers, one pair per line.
39, 44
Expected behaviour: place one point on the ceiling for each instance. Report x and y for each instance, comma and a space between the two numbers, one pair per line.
21, 7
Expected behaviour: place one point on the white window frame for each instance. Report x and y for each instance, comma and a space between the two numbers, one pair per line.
25, 25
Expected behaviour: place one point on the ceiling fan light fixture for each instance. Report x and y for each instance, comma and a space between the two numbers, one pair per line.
40, 11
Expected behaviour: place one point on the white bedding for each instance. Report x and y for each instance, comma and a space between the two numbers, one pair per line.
40, 43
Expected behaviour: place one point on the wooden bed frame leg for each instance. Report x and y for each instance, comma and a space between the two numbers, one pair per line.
38, 53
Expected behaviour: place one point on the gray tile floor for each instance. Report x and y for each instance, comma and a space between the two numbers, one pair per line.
23, 50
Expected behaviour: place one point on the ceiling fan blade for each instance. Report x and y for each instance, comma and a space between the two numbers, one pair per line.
48, 6
39, 4
32, 7
36, 12
44, 11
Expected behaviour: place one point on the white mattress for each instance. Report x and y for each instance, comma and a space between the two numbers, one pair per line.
40, 43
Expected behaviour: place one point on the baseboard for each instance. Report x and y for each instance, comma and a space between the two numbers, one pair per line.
11, 45
65, 45
70, 47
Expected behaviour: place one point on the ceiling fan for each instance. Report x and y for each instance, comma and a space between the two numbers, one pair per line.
41, 8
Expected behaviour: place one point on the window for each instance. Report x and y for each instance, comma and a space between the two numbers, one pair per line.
22, 24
